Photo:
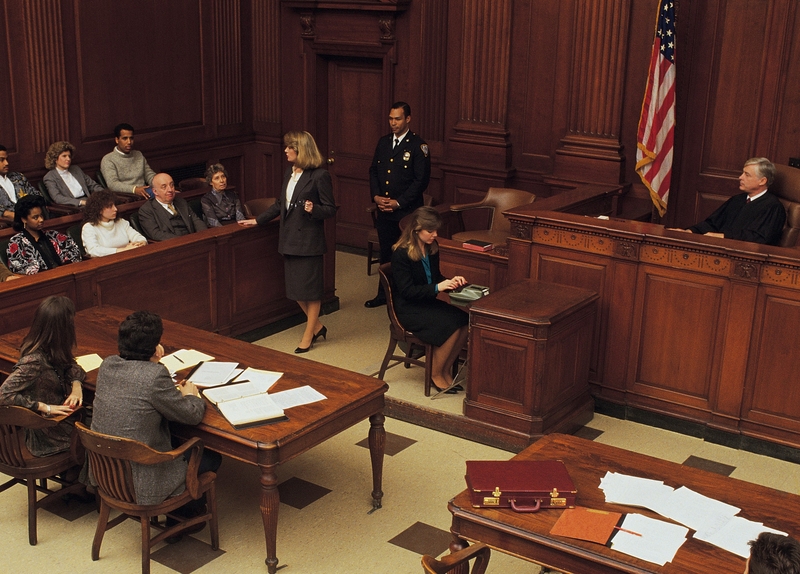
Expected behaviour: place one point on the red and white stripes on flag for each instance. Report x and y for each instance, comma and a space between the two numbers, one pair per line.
657, 122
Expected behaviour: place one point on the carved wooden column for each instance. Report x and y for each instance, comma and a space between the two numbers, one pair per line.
266, 62
482, 131
592, 148
228, 60
48, 85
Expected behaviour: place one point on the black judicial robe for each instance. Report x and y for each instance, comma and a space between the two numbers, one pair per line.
760, 221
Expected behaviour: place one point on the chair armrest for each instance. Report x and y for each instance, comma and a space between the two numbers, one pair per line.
465, 206
192, 483
481, 551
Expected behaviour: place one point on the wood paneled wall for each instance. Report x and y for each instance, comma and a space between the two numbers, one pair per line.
512, 93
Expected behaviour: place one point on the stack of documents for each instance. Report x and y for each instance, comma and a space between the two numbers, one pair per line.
713, 521
649, 539
182, 359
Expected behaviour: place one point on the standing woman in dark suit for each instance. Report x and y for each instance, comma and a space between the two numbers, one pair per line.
305, 202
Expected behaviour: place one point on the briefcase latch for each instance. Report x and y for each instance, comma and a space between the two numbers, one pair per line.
493, 500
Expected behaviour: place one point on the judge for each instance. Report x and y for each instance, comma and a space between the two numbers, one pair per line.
755, 215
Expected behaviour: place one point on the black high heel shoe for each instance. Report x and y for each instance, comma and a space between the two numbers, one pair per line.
299, 350
321, 333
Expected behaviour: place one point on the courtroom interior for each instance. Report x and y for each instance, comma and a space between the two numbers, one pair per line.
604, 319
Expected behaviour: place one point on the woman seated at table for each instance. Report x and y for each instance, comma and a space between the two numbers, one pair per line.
46, 379
220, 207
34, 249
66, 183
104, 233
416, 282
136, 397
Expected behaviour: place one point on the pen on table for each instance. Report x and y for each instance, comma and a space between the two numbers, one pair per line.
628, 531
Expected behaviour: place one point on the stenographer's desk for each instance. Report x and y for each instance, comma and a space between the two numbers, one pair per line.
351, 398
528, 535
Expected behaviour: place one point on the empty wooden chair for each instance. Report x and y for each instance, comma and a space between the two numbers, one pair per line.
461, 559
110, 461
17, 462
255, 207
497, 200
397, 334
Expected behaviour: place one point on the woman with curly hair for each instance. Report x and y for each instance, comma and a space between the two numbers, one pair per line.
34, 249
66, 183
104, 233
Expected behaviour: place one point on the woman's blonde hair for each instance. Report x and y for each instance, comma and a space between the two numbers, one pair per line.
307, 152
55, 150
424, 218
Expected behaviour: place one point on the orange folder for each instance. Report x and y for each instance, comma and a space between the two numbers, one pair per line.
587, 524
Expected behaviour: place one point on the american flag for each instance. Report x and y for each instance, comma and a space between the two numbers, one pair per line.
657, 121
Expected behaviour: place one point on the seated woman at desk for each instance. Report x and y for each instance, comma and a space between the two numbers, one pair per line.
34, 249
104, 233
220, 206
416, 282
66, 183
46, 379
135, 398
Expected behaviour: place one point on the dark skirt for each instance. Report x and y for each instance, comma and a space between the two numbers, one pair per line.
432, 321
304, 277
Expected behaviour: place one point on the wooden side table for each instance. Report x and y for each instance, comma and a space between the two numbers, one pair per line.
529, 352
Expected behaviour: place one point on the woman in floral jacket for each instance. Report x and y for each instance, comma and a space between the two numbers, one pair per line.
33, 249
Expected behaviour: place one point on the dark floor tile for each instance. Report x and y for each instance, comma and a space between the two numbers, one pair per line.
70, 510
299, 493
709, 465
423, 539
394, 443
588, 433
187, 555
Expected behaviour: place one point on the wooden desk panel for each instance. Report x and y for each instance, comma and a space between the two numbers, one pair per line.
528, 535
693, 327
226, 279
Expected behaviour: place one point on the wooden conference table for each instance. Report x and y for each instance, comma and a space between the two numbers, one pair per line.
528, 535
351, 398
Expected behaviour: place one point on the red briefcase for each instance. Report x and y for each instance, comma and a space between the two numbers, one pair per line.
524, 485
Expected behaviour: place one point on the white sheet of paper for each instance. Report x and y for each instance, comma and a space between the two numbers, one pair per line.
183, 358
89, 362
213, 373
250, 409
295, 397
697, 511
264, 379
658, 541
734, 535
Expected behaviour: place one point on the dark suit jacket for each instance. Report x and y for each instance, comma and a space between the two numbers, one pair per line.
401, 173
60, 193
303, 233
136, 399
156, 222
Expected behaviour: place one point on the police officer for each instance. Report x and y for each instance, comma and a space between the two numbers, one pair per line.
399, 174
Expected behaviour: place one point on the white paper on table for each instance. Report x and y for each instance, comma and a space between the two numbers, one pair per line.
634, 490
295, 397
89, 362
250, 409
213, 373
697, 511
263, 379
734, 535
658, 541
183, 358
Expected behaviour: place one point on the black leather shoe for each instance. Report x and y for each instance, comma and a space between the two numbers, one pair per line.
299, 350
376, 302
321, 333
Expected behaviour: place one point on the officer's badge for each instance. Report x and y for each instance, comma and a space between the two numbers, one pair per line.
407, 156
424, 148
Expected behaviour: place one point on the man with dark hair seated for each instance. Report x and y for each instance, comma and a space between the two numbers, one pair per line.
136, 398
13, 185
773, 554
124, 168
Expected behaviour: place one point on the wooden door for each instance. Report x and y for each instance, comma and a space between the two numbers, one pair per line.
355, 117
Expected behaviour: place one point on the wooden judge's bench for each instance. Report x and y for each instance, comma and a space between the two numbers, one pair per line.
700, 333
